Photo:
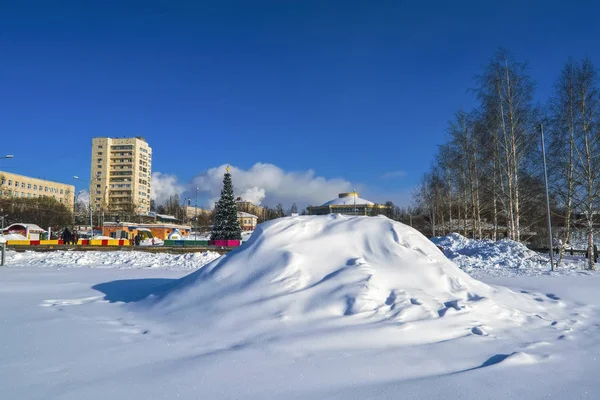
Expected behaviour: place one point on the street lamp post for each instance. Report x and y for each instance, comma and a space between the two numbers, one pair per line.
549, 221
90, 203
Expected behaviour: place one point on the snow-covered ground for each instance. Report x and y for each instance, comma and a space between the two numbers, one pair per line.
503, 257
110, 259
310, 308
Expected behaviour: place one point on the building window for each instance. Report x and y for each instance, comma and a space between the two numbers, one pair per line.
29, 186
99, 153
23, 185
61, 191
16, 184
45, 188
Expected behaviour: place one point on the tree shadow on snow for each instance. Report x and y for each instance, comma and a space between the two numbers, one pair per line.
132, 290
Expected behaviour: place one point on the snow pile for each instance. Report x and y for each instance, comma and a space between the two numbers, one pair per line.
375, 281
472, 254
496, 257
110, 259
100, 237
152, 242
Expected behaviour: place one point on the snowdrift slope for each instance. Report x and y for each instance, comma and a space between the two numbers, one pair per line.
326, 274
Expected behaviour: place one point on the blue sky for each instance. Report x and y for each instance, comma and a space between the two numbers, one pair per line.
357, 92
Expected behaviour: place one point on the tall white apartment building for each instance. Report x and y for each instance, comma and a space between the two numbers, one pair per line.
120, 177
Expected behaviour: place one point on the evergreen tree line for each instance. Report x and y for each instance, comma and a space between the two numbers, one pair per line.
487, 178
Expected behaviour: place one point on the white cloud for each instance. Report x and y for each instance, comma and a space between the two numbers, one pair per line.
266, 184
83, 196
164, 185
394, 174
269, 184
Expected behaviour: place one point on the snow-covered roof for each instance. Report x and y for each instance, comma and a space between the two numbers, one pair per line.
348, 199
32, 227
165, 216
242, 214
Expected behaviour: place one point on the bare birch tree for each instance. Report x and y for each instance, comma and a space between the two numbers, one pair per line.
586, 170
506, 91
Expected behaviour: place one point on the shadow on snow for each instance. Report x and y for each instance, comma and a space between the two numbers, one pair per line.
132, 290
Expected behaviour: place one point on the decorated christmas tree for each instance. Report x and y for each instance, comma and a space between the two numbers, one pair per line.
226, 225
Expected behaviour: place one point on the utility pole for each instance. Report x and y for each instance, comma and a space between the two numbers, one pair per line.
547, 201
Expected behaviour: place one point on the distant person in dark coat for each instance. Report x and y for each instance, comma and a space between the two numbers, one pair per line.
137, 240
66, 236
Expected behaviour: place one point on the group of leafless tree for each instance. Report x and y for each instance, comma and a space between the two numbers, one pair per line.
487, 179
43, 211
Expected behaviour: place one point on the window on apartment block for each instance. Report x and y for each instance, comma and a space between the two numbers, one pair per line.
16, 184
29, 186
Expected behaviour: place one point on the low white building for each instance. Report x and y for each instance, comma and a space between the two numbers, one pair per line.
30, 231
247, 221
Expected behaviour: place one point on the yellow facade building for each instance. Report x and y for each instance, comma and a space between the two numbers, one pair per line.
15, 185
121, 174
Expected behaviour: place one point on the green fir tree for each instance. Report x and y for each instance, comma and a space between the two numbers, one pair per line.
226, 225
